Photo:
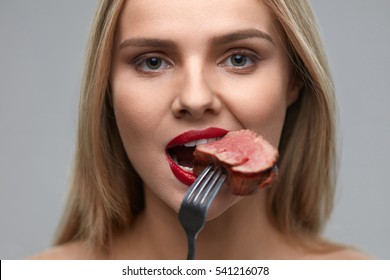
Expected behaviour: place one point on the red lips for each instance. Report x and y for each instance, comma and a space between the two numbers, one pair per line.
182, 175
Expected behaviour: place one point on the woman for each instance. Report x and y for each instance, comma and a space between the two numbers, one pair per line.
163, 71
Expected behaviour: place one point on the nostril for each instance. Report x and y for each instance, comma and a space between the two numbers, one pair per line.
195, 103
184, 112
196, 112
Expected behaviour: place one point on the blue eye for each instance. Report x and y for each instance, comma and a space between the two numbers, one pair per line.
150, 64
238, 60
153, 63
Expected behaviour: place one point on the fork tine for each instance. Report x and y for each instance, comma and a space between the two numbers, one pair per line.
216, 183
198, 183
206, 185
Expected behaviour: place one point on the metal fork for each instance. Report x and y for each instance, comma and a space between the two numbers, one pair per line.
197, 201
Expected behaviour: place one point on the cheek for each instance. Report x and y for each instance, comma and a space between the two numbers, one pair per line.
140, 112
138, 109
260, 107
136, 122
132, 111
267, 119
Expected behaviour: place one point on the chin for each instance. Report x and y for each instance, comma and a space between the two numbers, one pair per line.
224, 202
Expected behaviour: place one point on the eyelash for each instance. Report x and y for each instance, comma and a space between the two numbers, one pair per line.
139, 62
247, 55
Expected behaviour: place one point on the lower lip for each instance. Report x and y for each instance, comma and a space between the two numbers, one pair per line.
187, 178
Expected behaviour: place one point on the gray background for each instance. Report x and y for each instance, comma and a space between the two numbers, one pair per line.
42, 46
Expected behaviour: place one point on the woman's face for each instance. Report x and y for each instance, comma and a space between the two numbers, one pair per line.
186, 71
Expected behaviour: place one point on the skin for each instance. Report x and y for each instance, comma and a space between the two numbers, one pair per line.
195, 80
196, 85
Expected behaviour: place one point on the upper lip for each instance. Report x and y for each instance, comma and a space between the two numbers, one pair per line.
193, 135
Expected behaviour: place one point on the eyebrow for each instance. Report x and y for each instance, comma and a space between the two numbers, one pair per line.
217, 40
241, 35
147, 42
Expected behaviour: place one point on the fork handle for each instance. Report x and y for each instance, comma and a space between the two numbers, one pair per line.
191, 247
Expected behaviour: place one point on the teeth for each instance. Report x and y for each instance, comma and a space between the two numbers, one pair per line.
200, 142
191, 144
213, 139
174, 157
188, 169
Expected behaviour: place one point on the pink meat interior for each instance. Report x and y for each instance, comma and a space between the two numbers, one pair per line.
244, 151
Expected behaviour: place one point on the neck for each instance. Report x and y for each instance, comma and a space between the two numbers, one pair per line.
241, 232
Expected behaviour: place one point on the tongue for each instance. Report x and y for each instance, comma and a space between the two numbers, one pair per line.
184, 155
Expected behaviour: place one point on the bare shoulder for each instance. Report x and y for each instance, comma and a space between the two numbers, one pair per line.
343, 254
76, 250
348, 254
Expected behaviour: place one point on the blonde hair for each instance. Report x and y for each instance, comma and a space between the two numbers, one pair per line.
106, 192
303, 199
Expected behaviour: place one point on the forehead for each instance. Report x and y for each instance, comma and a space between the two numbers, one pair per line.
191, 19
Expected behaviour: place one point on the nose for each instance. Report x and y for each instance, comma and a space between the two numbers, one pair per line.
195, 96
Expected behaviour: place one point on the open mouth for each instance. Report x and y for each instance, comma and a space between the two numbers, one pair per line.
183, 155
180, 151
